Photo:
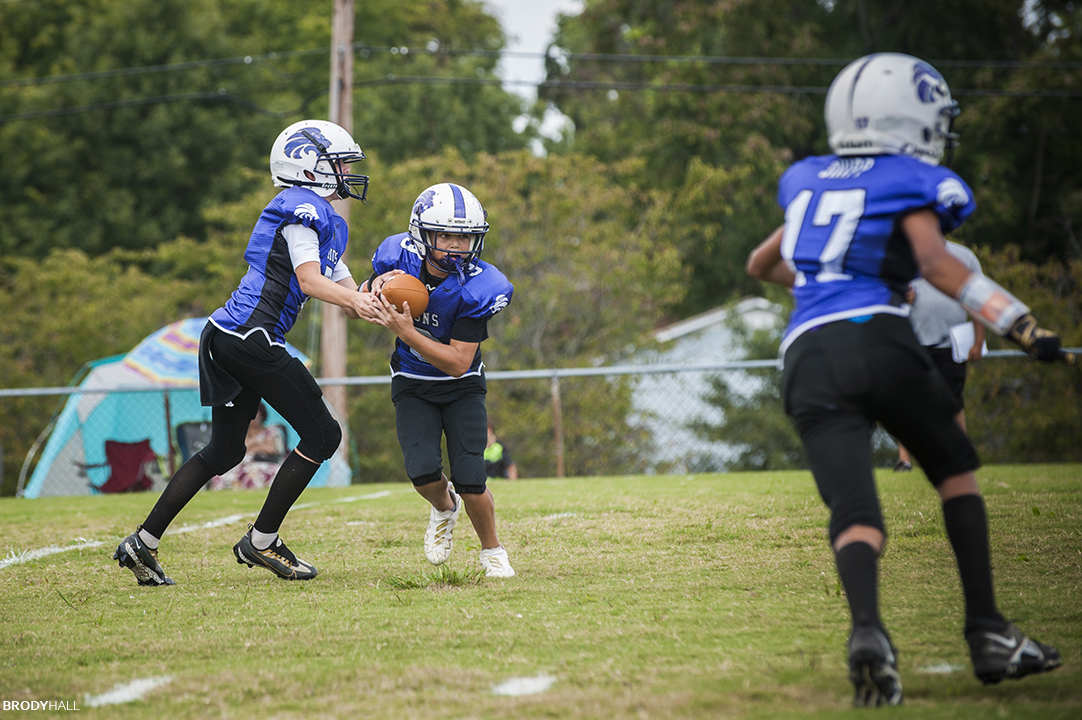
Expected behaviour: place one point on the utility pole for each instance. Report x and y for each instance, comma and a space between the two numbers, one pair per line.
333, 320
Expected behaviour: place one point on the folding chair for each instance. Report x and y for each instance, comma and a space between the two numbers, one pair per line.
191, 438
132, 467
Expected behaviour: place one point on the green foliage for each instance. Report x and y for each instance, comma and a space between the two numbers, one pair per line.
1020, 154
161, 148
753, 422
587, 254
1021, 410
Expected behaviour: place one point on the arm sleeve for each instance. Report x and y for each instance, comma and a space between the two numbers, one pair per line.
470, 329
341, 271
303, 244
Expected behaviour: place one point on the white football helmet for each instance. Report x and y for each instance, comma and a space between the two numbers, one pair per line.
889, 103
314, 154
450, 208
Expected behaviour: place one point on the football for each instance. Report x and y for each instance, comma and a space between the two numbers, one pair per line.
408, 289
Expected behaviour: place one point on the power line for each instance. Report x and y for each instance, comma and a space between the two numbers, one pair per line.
152, 69
405, 51
222, 95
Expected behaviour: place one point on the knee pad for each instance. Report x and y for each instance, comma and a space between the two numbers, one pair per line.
321, 448
426, 479
463, 489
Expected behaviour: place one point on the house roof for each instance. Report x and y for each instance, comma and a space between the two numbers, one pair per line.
755, 311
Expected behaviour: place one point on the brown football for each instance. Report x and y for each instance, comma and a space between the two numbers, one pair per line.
409, 289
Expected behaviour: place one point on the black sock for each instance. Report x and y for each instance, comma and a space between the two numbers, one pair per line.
185, 483
858, 568
967, 528
292, 478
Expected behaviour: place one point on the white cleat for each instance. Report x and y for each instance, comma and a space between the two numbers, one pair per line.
495, 563
438, 534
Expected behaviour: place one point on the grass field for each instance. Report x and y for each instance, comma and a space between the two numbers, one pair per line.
707, 596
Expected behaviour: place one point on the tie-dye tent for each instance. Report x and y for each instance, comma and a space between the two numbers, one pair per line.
167, 361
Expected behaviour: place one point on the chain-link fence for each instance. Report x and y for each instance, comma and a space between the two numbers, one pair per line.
561, 422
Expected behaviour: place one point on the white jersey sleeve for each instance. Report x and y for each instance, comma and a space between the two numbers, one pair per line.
303, 244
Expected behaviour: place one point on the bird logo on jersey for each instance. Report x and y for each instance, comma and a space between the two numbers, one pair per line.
951, 193
930, 85
306, 210
300, 142
424, 201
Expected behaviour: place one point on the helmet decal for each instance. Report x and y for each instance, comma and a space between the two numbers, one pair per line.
299, 143
460, 202
929, 83
424, 201
315, 154
890, 103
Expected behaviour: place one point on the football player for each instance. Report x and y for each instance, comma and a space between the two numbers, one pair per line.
437, 377
294, 253
859, 225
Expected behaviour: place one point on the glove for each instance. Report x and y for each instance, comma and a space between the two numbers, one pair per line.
1038, 343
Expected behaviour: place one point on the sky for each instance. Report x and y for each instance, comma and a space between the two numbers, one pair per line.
529, 26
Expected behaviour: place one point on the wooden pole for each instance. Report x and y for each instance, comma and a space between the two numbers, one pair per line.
171, 463
333, 320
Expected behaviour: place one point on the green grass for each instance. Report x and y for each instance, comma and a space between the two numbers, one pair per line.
710, 596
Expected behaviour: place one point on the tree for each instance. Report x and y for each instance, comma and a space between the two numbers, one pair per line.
144, 152
1020, 410
1020, 155
586, 251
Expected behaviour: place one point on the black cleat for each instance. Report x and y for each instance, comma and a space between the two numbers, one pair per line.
1008, 654
903, 466
873, 668
133, 554
277, 558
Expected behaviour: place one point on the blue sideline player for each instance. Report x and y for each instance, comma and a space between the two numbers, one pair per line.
437, 377
294, 253
859, 225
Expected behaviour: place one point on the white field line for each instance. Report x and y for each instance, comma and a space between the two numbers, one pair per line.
127, 692
941, 668
517, 686
227, 520
351, 498
15, 558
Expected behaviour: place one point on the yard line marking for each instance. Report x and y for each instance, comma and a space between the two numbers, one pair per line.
227, 520
352, 498
14, 558
557, 516
517, 686
942, 668
127, 692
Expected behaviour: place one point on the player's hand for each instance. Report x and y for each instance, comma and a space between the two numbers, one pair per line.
400, 323
1038, 343
381, 279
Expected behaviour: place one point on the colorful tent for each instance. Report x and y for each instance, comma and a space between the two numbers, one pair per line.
156, 389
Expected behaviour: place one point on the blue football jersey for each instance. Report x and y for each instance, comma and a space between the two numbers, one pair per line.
269, 296
842, 236
485, 293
